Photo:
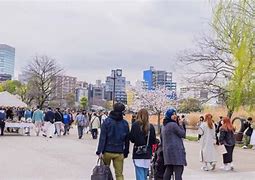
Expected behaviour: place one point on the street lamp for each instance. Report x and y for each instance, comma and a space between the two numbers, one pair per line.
115, 73
113, 93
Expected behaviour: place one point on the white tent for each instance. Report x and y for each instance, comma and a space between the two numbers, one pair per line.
9, 100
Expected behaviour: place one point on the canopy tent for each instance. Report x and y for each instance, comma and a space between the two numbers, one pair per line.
9, 100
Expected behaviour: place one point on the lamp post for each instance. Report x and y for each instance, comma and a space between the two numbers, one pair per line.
113, 93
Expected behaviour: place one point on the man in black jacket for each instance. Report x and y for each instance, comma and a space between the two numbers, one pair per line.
58, 121
247, 133
49, 120
114, 143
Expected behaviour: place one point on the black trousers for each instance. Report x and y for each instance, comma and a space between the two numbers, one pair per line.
2, 125
94, 133
173, 171
228, 157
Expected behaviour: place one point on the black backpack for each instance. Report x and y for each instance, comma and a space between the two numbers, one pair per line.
101, 171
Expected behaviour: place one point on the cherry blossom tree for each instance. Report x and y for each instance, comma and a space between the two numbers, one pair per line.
155, 101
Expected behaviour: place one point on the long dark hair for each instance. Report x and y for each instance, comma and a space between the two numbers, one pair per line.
143, 119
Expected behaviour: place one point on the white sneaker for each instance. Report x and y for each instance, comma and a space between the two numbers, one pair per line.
225, 168
204, 168
244, 147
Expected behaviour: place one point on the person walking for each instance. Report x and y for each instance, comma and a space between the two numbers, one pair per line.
95, 125
2, 120
143, 136
114, 142
201, 120
208, 153
28, 114
227, 139
173, 147
104, 116
80, 121
58, 121
37, 118
66, 121
247, 133
49, 127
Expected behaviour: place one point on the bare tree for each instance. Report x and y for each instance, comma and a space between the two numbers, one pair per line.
43, 71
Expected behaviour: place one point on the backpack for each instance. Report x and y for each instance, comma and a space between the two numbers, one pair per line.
101, 171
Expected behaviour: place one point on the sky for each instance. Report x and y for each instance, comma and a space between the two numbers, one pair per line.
89, 38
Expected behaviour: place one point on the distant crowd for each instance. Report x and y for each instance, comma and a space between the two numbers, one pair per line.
52, 122
161, 157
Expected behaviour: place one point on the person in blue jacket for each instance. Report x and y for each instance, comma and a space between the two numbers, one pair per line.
66, 121
114, 142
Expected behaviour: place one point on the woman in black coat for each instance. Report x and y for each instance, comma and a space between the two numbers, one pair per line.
227, 138
143, 136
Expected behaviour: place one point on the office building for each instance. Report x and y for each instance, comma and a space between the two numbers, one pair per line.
115, 85
7, 59
97, 93
153, 79
64, 85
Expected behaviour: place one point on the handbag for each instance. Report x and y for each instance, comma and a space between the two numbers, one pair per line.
221, 149
101, 171
143, 149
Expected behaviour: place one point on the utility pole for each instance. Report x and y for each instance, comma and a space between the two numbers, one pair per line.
113, 93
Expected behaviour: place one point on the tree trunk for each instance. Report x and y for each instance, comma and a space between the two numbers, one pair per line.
159, 113
230, 113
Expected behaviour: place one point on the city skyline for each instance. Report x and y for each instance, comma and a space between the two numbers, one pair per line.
90, 38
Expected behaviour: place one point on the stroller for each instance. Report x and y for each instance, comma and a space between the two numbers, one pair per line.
157, 168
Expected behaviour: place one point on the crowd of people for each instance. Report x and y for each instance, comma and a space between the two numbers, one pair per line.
50, 122
169, 156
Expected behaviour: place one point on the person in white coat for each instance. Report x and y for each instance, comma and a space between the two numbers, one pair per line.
208, 153
95, 125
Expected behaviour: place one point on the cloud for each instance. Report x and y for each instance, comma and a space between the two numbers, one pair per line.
90, 37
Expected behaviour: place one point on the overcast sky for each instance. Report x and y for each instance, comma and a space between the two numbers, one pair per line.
89, 38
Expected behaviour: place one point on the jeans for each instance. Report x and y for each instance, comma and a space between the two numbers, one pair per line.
173, 170
80, 131
94, 133
141, 173
118, 160
58, 127
66, 129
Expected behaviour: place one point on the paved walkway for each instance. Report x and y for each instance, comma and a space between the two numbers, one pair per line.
67, 158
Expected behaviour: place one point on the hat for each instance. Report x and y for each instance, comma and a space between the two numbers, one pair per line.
119, 107
170, 112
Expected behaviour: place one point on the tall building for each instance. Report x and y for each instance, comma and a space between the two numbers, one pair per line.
64, 85
158, 78
116, 84
81, 90
194, 92
96, 94
7, 59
